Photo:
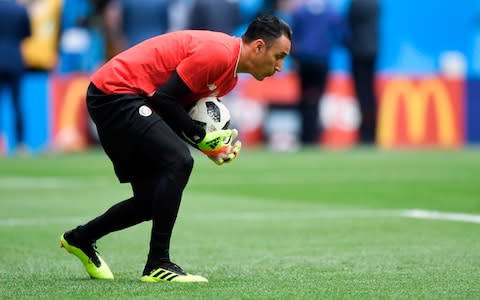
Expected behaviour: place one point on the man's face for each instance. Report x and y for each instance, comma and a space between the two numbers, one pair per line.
268, 60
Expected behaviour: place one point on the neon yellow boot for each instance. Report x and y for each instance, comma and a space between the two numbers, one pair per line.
170, 272
93, 263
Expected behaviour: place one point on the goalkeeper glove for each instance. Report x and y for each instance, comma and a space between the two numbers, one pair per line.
230, 154
216, 142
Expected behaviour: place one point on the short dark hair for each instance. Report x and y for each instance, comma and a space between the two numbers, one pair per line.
268, 28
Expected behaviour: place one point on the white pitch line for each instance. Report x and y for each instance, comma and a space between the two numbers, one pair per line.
272, 215
444, 216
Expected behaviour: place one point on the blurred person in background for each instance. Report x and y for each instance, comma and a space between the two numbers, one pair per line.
178, 13
107, 18
139, 101
363, 18
143, 19
40, 49
317, 28
78, 49
14, 28
125, 23
216, 15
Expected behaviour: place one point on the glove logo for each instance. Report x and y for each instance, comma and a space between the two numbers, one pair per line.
213, 143
144, 111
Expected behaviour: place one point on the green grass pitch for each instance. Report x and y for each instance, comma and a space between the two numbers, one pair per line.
317, 224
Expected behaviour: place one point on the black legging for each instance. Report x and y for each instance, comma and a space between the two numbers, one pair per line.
166, 165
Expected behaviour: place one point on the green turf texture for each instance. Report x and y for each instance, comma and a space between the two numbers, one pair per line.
315, 224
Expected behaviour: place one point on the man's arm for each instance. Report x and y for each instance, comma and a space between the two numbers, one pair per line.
164, 100
216, 144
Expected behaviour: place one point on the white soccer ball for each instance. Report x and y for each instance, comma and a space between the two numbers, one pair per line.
211, 114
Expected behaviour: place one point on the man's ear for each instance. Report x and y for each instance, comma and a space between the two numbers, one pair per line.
259, 44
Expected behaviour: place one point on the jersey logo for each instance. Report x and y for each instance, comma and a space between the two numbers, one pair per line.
144, 111
212, 86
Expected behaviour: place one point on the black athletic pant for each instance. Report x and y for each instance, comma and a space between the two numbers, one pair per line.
313, 79
12, 81
363, 73
147, 153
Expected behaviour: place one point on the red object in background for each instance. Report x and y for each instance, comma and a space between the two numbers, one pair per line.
3, 145
279, 89
412, 112
341, 133
284, 89
421, 112
69, 114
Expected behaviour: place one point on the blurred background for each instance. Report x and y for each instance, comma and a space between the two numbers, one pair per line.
423, 58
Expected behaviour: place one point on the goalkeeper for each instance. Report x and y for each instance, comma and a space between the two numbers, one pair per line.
139, 101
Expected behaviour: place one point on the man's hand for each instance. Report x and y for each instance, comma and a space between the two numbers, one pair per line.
229, 152
228, 155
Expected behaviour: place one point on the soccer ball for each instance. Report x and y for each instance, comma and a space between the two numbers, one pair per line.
211, 114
